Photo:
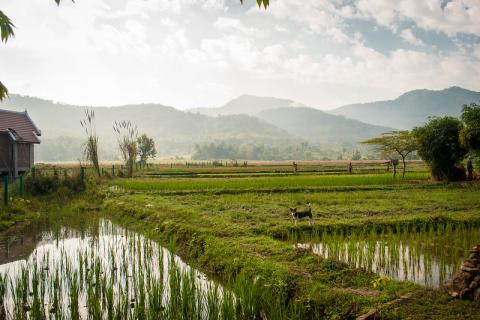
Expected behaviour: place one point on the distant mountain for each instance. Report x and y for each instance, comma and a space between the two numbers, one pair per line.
175, 131
320, 127
412, 108
245, 104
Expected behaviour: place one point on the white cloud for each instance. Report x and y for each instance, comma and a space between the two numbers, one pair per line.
476, 51
457, 16
228, 24
402, 69
319, 16
189, 53
408, 36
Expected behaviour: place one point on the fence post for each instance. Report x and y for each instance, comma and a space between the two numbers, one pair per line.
5, 190
21, 186
113, 170
82, 174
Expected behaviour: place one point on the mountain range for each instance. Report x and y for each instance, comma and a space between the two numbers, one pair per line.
244, 120
246, 104
411, 108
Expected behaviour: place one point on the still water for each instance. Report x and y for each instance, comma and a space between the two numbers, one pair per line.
99, 271
428, 257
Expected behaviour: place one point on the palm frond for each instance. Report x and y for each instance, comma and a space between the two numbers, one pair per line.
6, 28
3, 92
260, 2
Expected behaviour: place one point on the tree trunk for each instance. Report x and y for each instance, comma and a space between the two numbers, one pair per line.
404, 167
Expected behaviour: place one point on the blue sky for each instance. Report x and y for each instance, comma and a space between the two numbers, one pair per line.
201, 53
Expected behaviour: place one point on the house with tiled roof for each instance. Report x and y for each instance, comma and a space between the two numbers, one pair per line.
18, 135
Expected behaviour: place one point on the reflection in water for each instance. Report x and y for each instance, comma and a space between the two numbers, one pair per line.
108, 273
428, 257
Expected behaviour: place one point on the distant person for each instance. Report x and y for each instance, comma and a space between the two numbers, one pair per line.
350, 167
470, 169
295, 167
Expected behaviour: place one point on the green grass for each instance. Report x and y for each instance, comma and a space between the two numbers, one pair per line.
264, 183
251, 231
226, 225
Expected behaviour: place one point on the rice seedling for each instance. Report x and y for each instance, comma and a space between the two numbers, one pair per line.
117, 274
264, 183
427, 254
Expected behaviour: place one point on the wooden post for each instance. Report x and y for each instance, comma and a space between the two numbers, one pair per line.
21, 187
113, 170
82, 174
5, 190
15, 160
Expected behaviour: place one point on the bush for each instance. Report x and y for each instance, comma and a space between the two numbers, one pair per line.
439, 145
43, 184
470, 134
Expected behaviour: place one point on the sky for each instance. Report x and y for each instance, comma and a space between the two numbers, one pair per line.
202, 53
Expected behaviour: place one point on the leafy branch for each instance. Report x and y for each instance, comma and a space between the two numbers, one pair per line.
260, 2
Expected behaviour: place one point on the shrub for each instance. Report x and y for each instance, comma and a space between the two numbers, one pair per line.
43, 184
470, 134
439, 145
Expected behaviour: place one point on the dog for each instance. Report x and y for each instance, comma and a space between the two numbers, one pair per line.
298, 215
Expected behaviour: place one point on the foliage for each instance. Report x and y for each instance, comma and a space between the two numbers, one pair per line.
6, 28
265, 3
251, 151
127, 135
146, 148
438, 143
356, 155
44, 184
91, 145
470, 134
395, 143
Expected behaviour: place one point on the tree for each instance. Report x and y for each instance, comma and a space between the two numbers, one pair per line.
146, 148
438, 143
395, 143
356, 155
470, 134
6, 32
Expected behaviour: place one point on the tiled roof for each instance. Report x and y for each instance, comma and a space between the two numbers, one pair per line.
21, 124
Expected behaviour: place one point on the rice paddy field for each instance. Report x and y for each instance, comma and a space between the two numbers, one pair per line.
204, 242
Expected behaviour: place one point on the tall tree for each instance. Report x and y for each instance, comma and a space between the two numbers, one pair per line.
470, 134
146, 148
438, 143
395, 143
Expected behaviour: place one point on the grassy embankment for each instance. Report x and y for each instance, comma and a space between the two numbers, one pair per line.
225, 226
231, 225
